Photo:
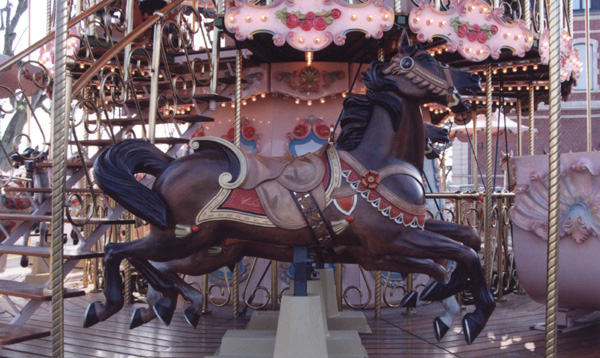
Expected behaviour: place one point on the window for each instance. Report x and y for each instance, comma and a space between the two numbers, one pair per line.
580, 4
581, 82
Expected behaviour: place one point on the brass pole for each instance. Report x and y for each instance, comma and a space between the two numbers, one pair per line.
588, 88
553, 178
156, 51
205, 294
378, 283
527, 14
398, 6
237, 142
489, 184
215, 51
531, 119
274, 286
570, 13
519, 137
61, 101
338, 285
126, 266
474, 170
410, 311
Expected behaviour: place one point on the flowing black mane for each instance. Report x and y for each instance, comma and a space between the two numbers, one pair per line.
357, 110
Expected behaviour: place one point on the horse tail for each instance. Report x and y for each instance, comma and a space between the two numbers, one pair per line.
115, 169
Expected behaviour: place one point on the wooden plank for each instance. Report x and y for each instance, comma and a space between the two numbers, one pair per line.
38, 251
32, 291
11, 334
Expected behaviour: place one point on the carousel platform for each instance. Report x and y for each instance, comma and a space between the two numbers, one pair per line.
507, 334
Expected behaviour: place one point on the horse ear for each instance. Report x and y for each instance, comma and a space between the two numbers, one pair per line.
404, 44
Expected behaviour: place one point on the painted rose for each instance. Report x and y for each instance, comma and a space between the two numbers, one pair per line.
292, 21
476, 27
300, 131
310, 15
494, 29
248, 132
463, 30
482, 37
336, 13
320, 24
370, 180
306, 25
472, 36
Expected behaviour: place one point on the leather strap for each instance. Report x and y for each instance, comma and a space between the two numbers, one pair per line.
314, 218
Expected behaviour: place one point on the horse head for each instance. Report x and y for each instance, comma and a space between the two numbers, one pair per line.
420, 77
435, 135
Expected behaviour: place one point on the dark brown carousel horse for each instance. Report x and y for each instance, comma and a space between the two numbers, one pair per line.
381, 149
233, 250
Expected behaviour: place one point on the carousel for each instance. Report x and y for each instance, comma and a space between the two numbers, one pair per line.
322, 178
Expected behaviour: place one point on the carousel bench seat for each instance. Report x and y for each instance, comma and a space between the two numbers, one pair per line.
32, 291
37, 251
11, 334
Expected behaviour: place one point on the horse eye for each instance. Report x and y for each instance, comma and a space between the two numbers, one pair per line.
443, 65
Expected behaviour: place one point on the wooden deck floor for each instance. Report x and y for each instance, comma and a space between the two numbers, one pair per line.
395, 335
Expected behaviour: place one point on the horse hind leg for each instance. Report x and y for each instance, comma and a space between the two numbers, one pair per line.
143, 315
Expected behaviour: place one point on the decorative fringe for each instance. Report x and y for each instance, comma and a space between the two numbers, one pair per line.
215, 250
339, 226
183, 231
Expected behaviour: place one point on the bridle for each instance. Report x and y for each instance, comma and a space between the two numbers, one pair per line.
409, 68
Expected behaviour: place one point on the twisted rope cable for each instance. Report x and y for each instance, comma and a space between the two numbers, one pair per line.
126, 266
531, 118
553, 178
397, 6
237, 142
59, 174
489, 176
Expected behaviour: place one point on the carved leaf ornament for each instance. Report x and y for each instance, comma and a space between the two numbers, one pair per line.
472, 28
308, 25
579, 208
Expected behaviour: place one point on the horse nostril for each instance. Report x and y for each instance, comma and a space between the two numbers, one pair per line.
475, 77
446, 131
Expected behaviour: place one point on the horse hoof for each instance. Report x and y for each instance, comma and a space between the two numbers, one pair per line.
90, 317
410, 299
471, 328
136, 319
440, 328
191, 316
165, 314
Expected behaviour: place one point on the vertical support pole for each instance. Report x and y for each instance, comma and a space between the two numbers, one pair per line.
205, 294
61, 101
410, 311
553, 178
274, 286
531, 118
437, 4
397, 6
237, 142
127, 51
338, 285
500, 248
301, 270
588, 84
126, 266
156, 50
215, 51
474, 169
519, 137
570, 14
378, 276
527, 13
489, 176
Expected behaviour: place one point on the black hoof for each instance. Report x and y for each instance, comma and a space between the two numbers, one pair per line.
165, 314
410, 299
191, 316
90, 317
24, 261
434, 292
471, 328
440, 328
136, 319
